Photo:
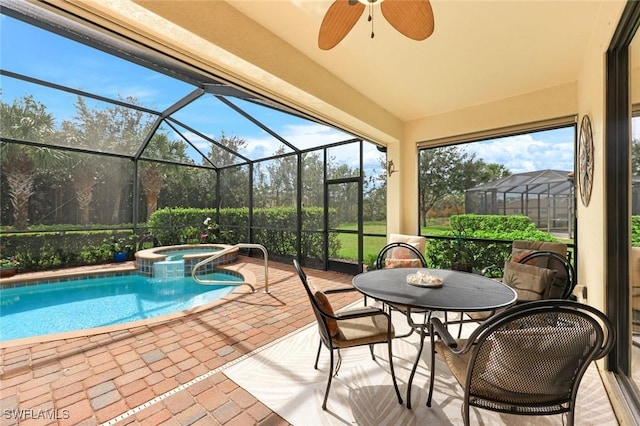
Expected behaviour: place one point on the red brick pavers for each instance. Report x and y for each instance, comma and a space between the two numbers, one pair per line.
165, 373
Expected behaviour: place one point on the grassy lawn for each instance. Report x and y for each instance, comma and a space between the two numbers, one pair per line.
372, 245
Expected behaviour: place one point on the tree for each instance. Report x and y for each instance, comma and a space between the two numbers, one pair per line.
448, 171
282, 180
234, 181
153, 174
312, 179
113, 129
27, 120
375, 193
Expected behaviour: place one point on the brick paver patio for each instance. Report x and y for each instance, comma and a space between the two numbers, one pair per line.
166, 373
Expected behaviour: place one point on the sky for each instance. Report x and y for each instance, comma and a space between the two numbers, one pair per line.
34, 52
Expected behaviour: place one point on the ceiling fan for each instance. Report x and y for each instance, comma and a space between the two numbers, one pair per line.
412, 18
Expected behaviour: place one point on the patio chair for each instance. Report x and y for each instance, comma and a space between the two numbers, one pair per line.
347, 328
526, 360
522, 248
537, 270
402, 251
401, 255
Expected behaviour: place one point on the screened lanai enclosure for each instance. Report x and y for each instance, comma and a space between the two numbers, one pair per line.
546, 196
106, 143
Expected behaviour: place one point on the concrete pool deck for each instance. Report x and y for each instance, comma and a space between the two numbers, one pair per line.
145, 374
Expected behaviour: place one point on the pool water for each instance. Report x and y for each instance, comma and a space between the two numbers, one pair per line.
178, 254
96, 302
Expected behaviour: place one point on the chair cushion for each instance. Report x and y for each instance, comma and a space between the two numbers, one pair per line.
404, 253
402, 263
530, 282
324, 303
458, 363
363, 330
409, 239
535, 360
518, 254
560, 248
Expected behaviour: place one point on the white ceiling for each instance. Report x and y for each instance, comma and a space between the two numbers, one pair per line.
480, 50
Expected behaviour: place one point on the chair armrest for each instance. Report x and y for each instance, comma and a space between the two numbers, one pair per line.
439, 328
442, 331
339, 290
361, 312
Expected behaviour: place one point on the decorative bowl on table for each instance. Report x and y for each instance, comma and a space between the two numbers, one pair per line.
424, 279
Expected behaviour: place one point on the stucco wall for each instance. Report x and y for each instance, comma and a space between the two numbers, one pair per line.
591, 101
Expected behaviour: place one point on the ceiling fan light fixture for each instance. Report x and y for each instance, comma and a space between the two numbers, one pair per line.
370, 2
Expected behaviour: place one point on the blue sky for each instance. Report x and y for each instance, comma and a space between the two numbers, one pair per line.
34, 52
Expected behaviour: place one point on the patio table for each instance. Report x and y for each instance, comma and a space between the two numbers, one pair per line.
460, 292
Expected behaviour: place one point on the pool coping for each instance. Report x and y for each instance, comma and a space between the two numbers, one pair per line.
248, 276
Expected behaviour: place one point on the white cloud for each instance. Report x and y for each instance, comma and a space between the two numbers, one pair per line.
524, 153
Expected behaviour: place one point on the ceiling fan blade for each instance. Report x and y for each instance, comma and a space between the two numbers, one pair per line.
337, 22
412, 18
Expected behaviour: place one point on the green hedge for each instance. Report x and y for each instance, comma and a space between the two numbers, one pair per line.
635, 231
503, 229
274, 228
36, 251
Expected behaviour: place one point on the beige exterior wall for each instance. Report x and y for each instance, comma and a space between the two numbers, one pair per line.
591, 219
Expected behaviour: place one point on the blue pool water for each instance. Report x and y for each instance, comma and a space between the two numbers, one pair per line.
96, 302
178, 254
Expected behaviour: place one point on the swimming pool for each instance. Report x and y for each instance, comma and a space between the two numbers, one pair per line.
37, 310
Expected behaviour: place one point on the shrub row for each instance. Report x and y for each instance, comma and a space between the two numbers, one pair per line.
468, 235
273, 228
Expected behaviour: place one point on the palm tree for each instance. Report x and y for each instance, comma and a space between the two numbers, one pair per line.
153, 174
24, 120
151, 180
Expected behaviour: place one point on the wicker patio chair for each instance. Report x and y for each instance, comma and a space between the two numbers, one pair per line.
347, 328
527, 360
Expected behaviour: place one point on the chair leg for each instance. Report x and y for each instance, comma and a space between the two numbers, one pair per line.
465, 413
318, 355
326, 392
373, 356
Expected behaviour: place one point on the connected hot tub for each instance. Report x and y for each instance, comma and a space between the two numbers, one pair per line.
180, 259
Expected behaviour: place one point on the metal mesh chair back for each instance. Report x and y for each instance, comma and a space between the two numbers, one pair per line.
530, 359
564, 282
400, 255
318, 311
